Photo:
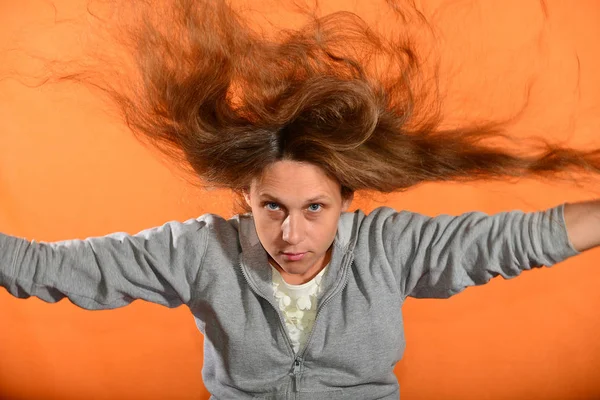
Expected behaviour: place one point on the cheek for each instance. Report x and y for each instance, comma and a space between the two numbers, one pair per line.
326, 233
267, 229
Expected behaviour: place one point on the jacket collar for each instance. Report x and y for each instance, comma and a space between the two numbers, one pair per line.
255, 264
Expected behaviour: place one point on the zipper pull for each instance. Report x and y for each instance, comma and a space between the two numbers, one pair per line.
296, 366
296, 372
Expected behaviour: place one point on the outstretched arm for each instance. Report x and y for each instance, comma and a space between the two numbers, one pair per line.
441, 256
158, 265
583, 224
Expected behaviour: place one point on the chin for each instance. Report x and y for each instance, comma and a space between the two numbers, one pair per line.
294, 268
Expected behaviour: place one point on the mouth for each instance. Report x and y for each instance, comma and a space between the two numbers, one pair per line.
293, 256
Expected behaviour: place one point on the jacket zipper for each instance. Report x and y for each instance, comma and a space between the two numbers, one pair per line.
310, 335
299, 357
296, 364
296, 372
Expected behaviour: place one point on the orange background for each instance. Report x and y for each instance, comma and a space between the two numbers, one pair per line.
68, 170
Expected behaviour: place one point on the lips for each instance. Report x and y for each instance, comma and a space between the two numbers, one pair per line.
293, 256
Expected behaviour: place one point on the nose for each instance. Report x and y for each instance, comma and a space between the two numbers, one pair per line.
292, 229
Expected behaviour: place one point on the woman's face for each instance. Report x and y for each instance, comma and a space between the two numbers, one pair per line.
296, 208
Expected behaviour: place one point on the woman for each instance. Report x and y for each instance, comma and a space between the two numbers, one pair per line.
296, 127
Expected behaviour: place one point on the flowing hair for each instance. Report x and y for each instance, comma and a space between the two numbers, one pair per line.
224, 98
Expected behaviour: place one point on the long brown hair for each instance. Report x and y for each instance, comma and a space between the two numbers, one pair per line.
225, 100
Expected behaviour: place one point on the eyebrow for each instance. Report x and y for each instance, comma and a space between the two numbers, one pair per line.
314, 199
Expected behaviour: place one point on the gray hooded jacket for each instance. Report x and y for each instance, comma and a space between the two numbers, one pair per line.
219, 269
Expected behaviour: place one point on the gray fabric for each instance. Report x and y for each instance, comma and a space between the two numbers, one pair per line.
219, 269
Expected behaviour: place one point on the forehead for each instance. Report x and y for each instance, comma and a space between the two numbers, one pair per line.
292, 180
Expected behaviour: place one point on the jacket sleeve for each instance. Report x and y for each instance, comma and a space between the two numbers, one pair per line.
441, 256
159, 265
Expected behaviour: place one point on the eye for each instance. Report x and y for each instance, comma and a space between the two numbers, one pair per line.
314, 207
271, 206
